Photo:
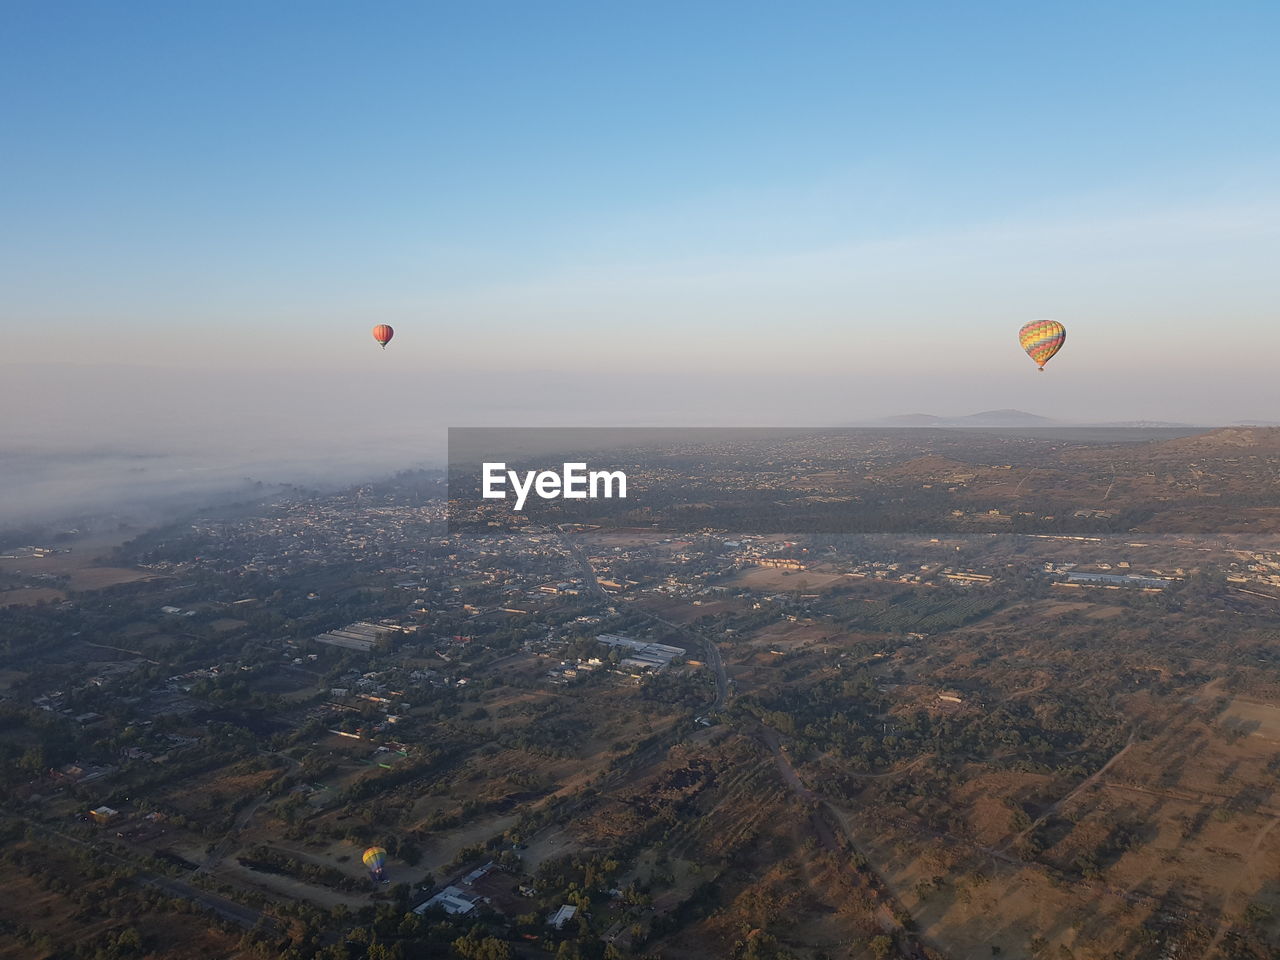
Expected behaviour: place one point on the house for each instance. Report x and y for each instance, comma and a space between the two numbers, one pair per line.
477, 874
562, 916
452, 900
103, 814
81, 773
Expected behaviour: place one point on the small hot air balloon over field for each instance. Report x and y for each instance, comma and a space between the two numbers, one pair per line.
374, 858
1042, 339
383, 334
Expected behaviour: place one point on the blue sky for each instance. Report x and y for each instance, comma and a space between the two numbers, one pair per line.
673, 187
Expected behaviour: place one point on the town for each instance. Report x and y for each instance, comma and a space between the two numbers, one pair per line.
613, 740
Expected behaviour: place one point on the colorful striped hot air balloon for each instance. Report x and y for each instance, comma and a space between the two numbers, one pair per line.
383, 334
374, 858
1042, 339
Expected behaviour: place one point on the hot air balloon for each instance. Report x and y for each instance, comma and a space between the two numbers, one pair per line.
374, 858
383, 334
1042, 339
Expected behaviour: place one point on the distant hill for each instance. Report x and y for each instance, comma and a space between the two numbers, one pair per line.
988, 418
1009, 419
1149, 425
1006, 418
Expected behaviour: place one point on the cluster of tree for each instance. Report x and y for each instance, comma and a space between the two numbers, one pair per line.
576, 872
268, 860
842, 715
918, 611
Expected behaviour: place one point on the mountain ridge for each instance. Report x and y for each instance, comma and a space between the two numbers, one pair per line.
1012, 419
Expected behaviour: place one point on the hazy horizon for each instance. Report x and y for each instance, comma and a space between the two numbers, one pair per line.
95, 437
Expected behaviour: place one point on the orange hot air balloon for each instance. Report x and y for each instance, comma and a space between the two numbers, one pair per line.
1041, 339
383, 334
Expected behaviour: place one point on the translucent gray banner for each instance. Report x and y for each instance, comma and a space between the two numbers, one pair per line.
1085, 481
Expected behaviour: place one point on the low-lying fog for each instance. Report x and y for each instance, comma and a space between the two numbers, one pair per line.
77, 439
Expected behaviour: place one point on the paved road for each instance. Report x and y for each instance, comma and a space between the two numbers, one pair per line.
710, 651
230, 910
588, 571
236, 913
